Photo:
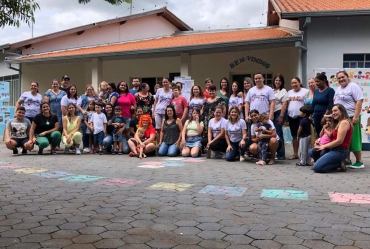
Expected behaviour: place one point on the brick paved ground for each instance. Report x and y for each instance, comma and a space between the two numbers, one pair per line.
109, 202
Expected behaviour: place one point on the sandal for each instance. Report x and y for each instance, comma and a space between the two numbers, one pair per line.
301, 164
293, 157
343, 167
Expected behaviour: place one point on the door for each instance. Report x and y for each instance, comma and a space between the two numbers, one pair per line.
151, 82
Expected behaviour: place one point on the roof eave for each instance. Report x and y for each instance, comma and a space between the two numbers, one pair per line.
296, 15
163, 50
172, 18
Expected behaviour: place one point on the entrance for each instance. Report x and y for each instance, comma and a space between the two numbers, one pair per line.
239, 78
151, 82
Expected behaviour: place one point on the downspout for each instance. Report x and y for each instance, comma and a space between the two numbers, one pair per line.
304, 52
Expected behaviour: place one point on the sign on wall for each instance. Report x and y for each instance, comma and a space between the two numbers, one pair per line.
6, 111
187, 83
360, 76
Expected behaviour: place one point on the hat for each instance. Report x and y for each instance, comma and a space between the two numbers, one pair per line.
65, 77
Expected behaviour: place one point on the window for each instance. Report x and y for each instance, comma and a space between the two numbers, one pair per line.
356, 61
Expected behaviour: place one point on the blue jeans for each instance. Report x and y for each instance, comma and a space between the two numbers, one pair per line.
279, 131
98, 138
237, 150
317, 117
330, 160
85, 137
108, 142
168, 150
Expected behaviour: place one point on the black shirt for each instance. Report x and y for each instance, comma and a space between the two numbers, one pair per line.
44, 123
64, 89
134, 123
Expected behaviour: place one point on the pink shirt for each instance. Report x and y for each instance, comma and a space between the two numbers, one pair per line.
179, 104
325, 139
125, 101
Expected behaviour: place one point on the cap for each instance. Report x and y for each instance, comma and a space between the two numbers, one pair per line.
65, 77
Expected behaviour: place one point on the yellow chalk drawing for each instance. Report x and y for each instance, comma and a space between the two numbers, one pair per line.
171, 186
30, 170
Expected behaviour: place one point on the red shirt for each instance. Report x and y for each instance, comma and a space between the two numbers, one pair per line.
149, 131
347, 138
125, 101
179, 104
206, 94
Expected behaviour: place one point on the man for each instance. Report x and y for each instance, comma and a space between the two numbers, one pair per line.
136, 86
64, 83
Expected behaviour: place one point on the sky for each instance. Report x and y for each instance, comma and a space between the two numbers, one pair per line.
57, 15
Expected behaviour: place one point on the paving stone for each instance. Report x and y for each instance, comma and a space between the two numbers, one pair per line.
186, 223
363, 244
263, 244
288, 240
235, 230
14, 233
186, 240
211, 235
44, 229
187, 230
187, 247
314, 244
113, 234
280, 231
338, 240
56, 243
161, 244
136, 239
80, 246
301, 227
35, 238
209, 226
72, 226
262, 235
64, 234
135, 246
92, 230
25, 246
294, 247
214, 244
86, 239
8, 241
238, 239
309, 235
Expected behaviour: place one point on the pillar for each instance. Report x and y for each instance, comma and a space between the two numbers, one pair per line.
185, 61
96, 73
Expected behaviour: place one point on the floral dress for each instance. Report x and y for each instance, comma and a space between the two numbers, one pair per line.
145, 102
208, 112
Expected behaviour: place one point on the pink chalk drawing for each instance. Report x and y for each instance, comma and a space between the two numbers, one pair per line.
152, 163
10, 166
194, 160
149, 166
118, 182
349, 198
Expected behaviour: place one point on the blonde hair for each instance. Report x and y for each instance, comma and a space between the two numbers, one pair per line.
103, 82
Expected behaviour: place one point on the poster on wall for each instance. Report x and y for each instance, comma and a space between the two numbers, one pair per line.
6, 111
187, 83
360, 76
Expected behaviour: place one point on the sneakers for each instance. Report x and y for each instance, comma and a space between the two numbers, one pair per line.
86, 150
78, 151
66, 150
209, 153
357, 165
120, 152
15, 152
242, 159
100, 152
348, 163
24, 151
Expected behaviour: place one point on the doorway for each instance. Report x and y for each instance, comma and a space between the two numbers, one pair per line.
151, 82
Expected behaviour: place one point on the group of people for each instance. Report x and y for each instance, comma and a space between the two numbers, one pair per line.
235, 122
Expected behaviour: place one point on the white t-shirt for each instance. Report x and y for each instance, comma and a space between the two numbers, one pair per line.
254, 125
98, 120
259, 99
348, 97
31, 103
296, 100
164, 99
281, 96
235, 131
216, 128
195, 104
65, 101
236, 101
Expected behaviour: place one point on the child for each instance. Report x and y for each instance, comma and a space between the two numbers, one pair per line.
325, 138
99, 126
263, 127
103, 94
118, 122
90, 111
304, 135
180, 104
137, 143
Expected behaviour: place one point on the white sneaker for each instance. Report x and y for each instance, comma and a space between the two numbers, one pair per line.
78, 152
86, 150
242, 159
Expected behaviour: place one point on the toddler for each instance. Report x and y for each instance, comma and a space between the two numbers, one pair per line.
325, 138
103, 94
90, 111
118, 122
137, 143
263, 127
99, 127
304, 135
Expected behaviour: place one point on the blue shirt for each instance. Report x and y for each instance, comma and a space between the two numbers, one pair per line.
133, 91
323, 101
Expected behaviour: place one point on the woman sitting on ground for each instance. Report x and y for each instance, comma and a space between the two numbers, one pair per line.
71, 127
339, 147
216, 141
192, 135
236, 134
44, 129
145, 125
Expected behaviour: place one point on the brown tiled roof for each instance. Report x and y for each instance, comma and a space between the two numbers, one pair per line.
321, 5
175, 41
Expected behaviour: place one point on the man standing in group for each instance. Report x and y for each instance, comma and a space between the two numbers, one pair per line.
64, 83
135, 86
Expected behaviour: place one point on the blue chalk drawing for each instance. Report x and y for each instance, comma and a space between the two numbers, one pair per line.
1, 162
80, 178
173, 164
222, 190
54, 174
284, 194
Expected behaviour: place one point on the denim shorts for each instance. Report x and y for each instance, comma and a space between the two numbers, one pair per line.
98, 138
194, 141
127, 122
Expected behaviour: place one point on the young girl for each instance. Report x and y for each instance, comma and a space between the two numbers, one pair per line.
325, 138
235, 99
90, 111
192, 135
139, 148
263, 127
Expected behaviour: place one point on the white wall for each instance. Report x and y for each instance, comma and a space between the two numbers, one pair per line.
291, 24
136, 29
330, 38
4, 71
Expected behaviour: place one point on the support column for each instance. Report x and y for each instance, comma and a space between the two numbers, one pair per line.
96, 73
185, 64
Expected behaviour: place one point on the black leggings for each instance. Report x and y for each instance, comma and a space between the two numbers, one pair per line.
218, 145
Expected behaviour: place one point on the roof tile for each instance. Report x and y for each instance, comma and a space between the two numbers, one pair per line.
321, 5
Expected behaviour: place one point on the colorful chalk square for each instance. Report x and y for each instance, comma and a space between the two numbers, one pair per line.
149, 166
173, 164
174, 158
223, 190
152, 163
53, 174
31, 170
80, 178
117, 182
194, 160
10, 166
349, 198
179, 187
2, 162
284, 194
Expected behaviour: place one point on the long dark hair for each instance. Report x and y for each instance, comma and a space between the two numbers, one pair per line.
227, 87
68, 114
191, 116
112, 113
281, 77
322, 76
200, 92
46, 103
173, 110
119, 90
299, 80
69, 93
237, 90
113, 86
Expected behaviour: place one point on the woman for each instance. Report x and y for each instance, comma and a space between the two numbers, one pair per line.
339, 146
247, 85
196, 99
322, 101
71, 127
70, 97
351, 97
207, 112
281, 100
44, 129
296, 99
208, 82
274, 143
128, 103
163, 99
113, 95
170, 137
224, 91
309, 96
236, 134
192, 135
31, 101
145, 99
145, 124
54, 97
216, 141
82, 104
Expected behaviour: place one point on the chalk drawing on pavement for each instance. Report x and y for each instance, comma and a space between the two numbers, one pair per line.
349, 198
170, 186
284, 194
223, 190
